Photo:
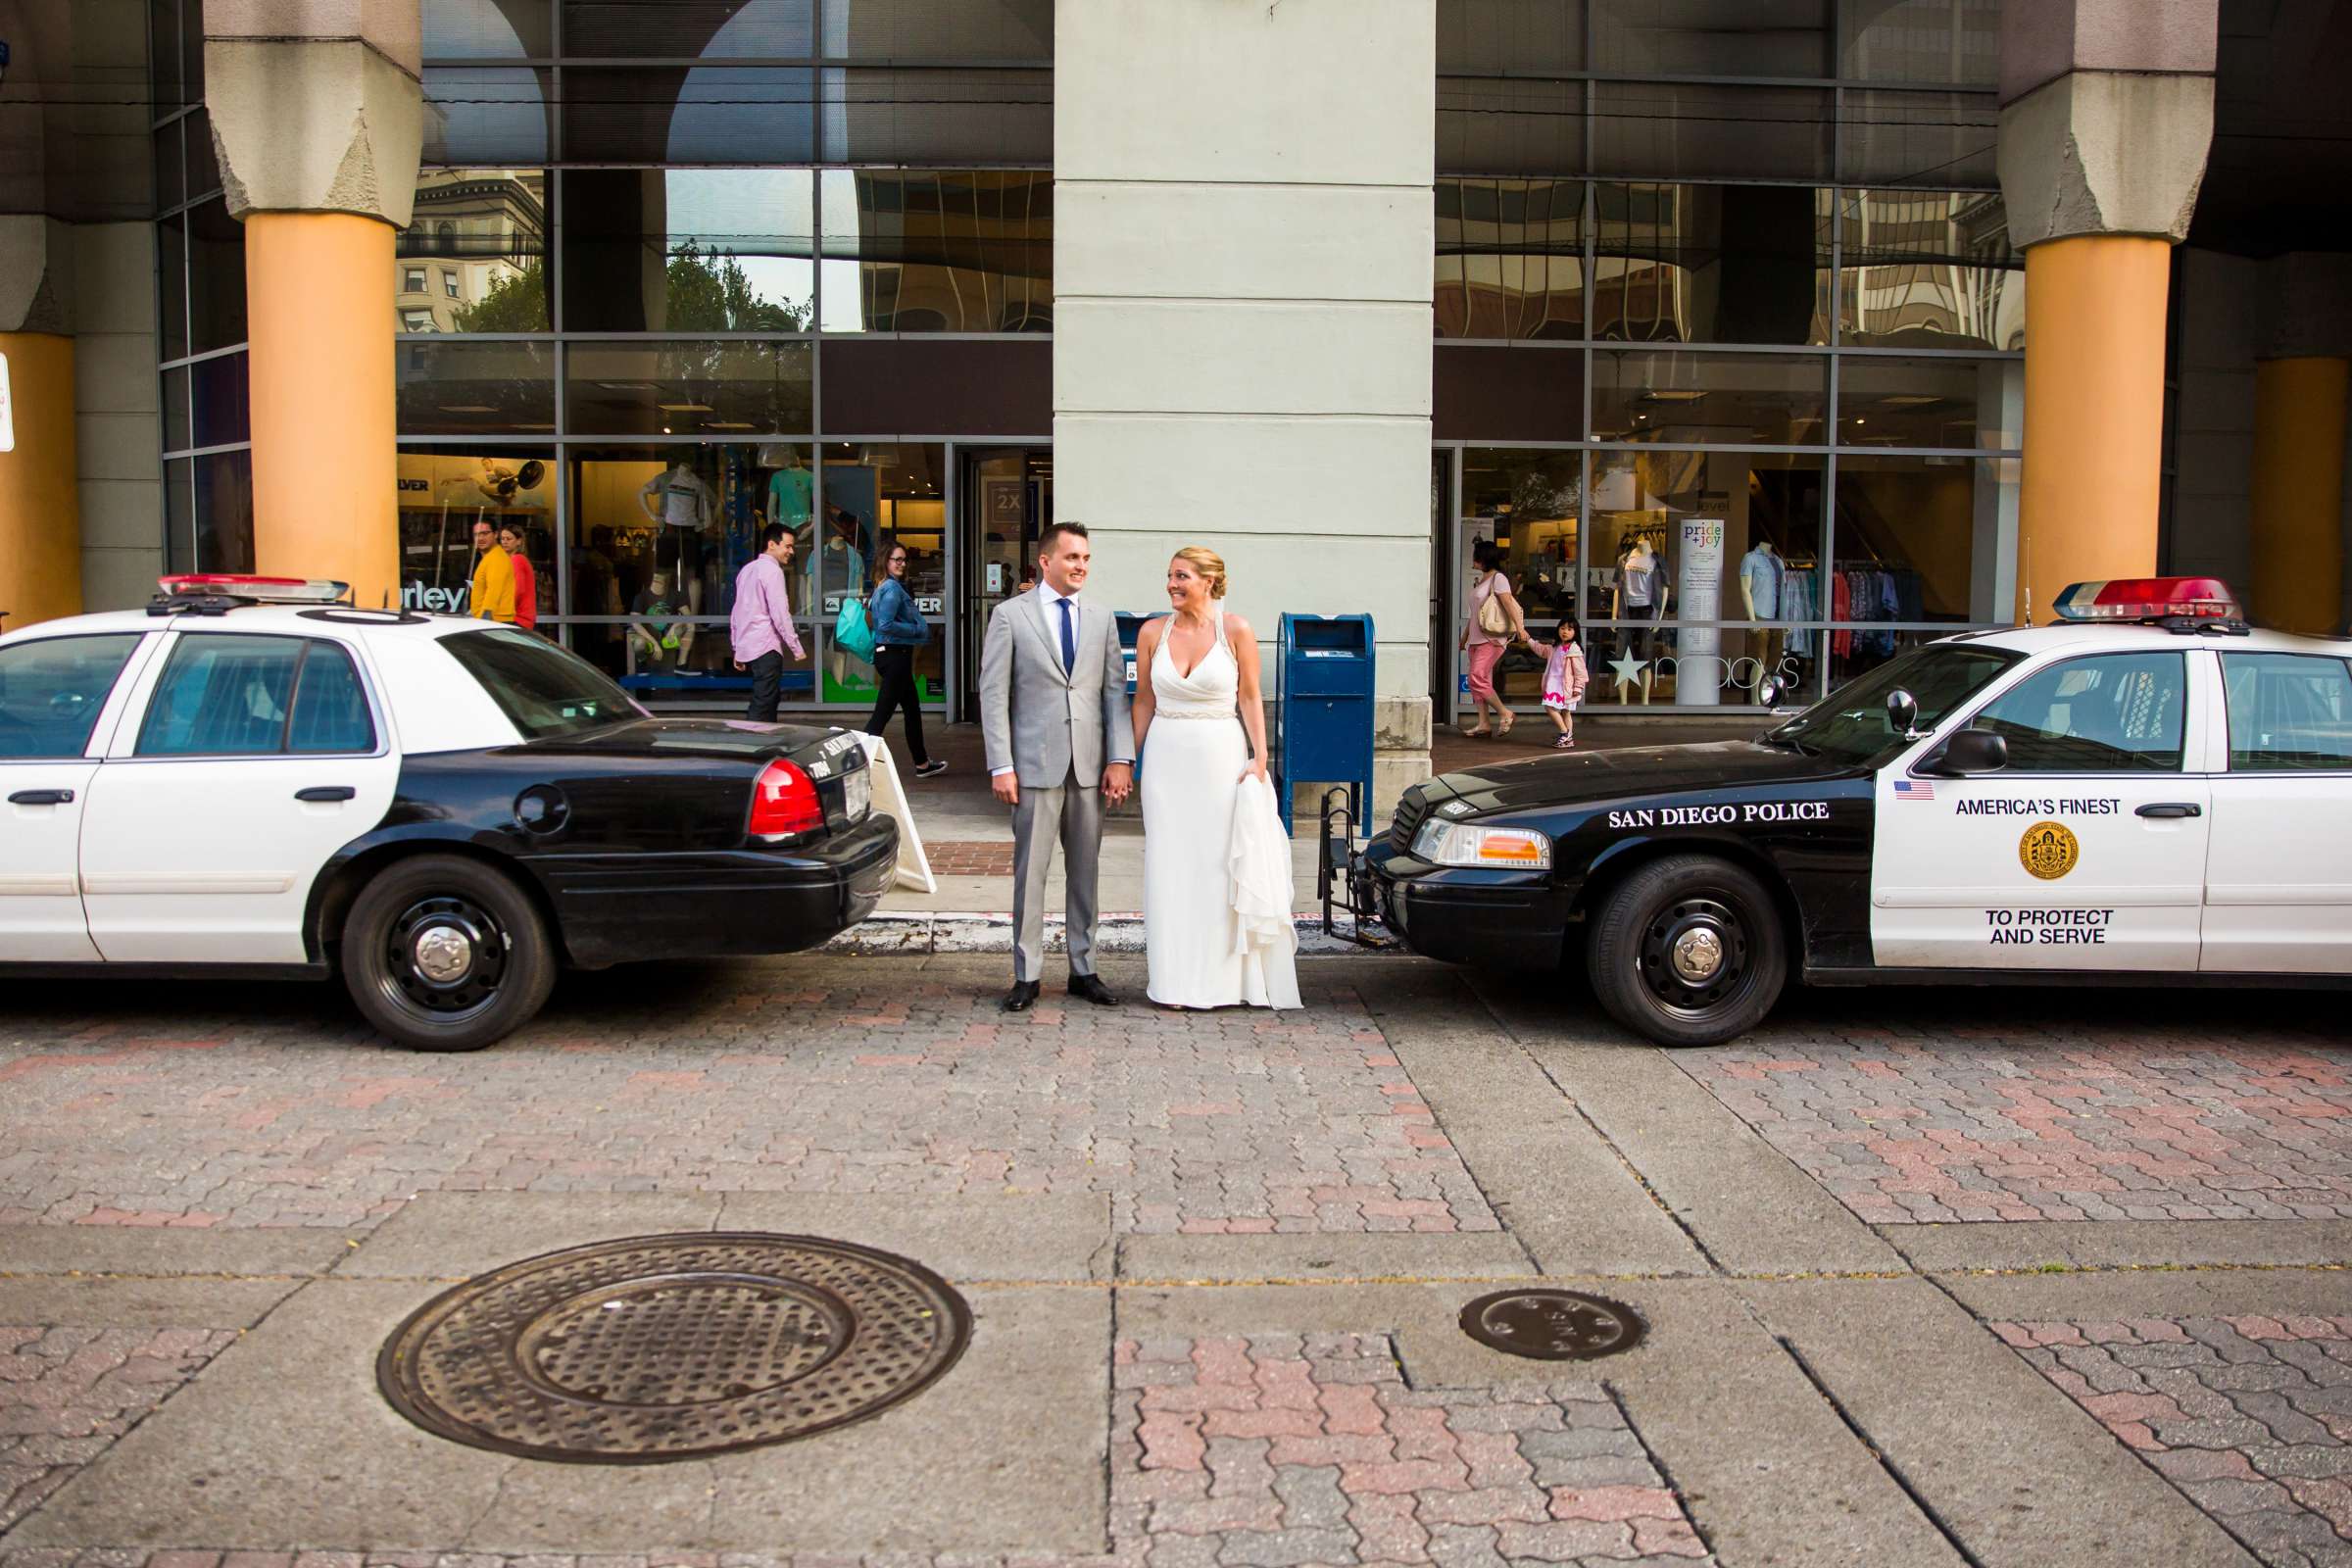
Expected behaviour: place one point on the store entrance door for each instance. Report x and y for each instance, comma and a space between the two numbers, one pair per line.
1007, 495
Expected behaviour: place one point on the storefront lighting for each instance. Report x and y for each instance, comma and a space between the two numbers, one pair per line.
627, 386
1908, 400
467, 407
727, 424
1681, 396
684, 407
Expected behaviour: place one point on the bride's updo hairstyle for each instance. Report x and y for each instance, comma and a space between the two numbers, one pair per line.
1210, 565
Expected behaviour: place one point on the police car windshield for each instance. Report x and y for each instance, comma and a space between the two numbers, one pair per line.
544, 690
1852, 725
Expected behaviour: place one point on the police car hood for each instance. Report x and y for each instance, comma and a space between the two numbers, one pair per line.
1630, 773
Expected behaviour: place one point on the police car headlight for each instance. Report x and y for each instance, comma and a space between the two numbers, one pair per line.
1512, 849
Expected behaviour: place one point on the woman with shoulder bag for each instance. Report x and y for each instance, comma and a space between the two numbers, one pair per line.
1491, 623
900, 631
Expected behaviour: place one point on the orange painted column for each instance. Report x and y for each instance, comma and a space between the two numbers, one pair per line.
2297, 496
40, 499
2095, 412
326, 499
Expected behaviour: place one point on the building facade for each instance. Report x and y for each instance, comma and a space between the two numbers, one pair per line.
1764, 338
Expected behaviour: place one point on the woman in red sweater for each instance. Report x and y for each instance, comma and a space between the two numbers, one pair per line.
526, 581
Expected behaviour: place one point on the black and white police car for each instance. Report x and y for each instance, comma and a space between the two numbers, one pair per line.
2144, 789
252, 778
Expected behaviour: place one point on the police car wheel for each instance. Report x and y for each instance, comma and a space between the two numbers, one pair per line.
1688, 950
445, 953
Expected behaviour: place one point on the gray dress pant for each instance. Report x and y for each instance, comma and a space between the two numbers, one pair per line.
1073, 814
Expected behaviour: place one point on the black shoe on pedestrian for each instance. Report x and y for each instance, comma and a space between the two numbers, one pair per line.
930, 769
1092, 989
1017, 999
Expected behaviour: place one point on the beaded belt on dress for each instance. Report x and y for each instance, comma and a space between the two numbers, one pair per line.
1197, 712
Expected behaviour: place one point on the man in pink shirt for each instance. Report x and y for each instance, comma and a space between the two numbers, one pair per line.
760, 626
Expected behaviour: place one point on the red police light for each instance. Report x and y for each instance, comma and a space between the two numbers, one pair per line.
2148, 598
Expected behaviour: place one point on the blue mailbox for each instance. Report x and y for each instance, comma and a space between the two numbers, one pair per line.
1325, 691
1131, 628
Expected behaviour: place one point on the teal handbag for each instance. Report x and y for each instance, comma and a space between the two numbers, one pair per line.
851, 634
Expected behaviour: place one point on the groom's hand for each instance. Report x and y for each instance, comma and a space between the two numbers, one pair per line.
1007, 788
1118, 781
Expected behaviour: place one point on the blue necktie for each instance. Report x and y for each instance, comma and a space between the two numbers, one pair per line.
1069, 643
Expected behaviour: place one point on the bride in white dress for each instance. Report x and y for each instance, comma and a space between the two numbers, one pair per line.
1196, 693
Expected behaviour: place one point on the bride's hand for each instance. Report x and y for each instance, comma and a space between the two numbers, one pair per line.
1255, 768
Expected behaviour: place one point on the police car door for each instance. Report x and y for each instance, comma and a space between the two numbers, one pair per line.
2278, 877
246, 760
2085, 852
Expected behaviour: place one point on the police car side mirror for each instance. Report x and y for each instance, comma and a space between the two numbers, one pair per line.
1972, 751
1902, 712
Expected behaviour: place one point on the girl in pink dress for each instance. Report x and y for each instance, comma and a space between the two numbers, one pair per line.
1564, 680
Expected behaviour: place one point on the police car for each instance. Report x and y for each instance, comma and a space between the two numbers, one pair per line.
2143, 790
254, 778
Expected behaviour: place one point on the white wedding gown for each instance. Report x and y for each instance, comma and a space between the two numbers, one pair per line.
1194, 755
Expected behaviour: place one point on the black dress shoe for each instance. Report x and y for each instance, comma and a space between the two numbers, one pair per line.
1092, 987
1017, 999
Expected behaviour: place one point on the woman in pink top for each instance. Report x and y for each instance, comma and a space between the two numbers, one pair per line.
526, 581
1486, 647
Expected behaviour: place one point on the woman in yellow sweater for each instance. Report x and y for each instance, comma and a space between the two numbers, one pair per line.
493, 596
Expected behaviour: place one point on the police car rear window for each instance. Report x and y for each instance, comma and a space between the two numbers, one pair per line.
543, 690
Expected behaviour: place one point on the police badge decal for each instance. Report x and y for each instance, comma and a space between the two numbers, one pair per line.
2048, 851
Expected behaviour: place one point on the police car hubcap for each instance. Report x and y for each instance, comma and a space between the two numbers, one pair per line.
1695, 954
1698, 955
444, 954
448, 955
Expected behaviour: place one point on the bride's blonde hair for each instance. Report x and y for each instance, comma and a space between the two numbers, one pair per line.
1208, 564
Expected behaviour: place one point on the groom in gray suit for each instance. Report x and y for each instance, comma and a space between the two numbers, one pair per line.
1054, 717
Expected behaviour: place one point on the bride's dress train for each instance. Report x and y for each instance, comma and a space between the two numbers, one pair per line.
1201, 955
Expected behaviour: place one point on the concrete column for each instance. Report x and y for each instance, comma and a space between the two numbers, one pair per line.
40, 503
317, 117
1241, 346
2106, 117
2296, 494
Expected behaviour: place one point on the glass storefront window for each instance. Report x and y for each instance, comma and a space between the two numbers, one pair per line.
220, 402
225, 512
171, 277
171, 174
689, 250
215, 277
1933, 138
938, 250
877, 496
921, 115
474, 258
487, 29
452, 386
1928, 269
1954, 42
707, 29
1689, 130
1889, 402
204, 163
494, 114
924, 29
1711, 38
1933, 532
1528, 504
697, 114
1519, 35
688, 387
1655, 394
1510, 259
1509, 126
1710, 263
444, 491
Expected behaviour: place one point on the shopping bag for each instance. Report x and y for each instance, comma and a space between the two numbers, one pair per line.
851, 634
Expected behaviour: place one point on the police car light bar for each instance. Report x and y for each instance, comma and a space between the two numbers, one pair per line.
260, 589
2148, 598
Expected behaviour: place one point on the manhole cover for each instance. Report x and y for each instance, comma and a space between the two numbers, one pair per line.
1553, 1325
665, 1347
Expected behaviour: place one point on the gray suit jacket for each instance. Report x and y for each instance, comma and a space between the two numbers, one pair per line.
1042, 721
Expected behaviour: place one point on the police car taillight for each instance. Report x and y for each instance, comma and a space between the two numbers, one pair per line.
784, 802
2148, 598
260, 589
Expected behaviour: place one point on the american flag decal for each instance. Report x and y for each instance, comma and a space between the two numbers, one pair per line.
1908, 790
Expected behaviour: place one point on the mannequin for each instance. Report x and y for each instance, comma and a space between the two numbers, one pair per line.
678, 499
1641, 595
1760, 573
791, 492
663, 644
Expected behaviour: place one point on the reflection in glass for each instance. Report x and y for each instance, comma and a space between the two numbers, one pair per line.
688, 29
179, 515
450, 386
223, 411
1509, 126
879, 495
1931, 268
1954, 42
1685, 130
177, 437
1937, 534
1930, 139
1516, 36
924, 29
938, 114
486, 30
938, 250
443, 492
1510, 259
225, 512
474, 258
689, 250
1661, 394
1889, 402
1710, 263
1528, 504
217, 278
703, 115
204, 162
1711, 38
688, 387
486, 114
172, 284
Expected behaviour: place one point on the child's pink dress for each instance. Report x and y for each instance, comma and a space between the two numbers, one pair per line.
1564, 676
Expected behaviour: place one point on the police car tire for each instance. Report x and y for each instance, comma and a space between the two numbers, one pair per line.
1634, 924
502, 992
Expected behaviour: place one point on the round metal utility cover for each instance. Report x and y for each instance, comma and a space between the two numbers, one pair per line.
1553, 1325
665, 1347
